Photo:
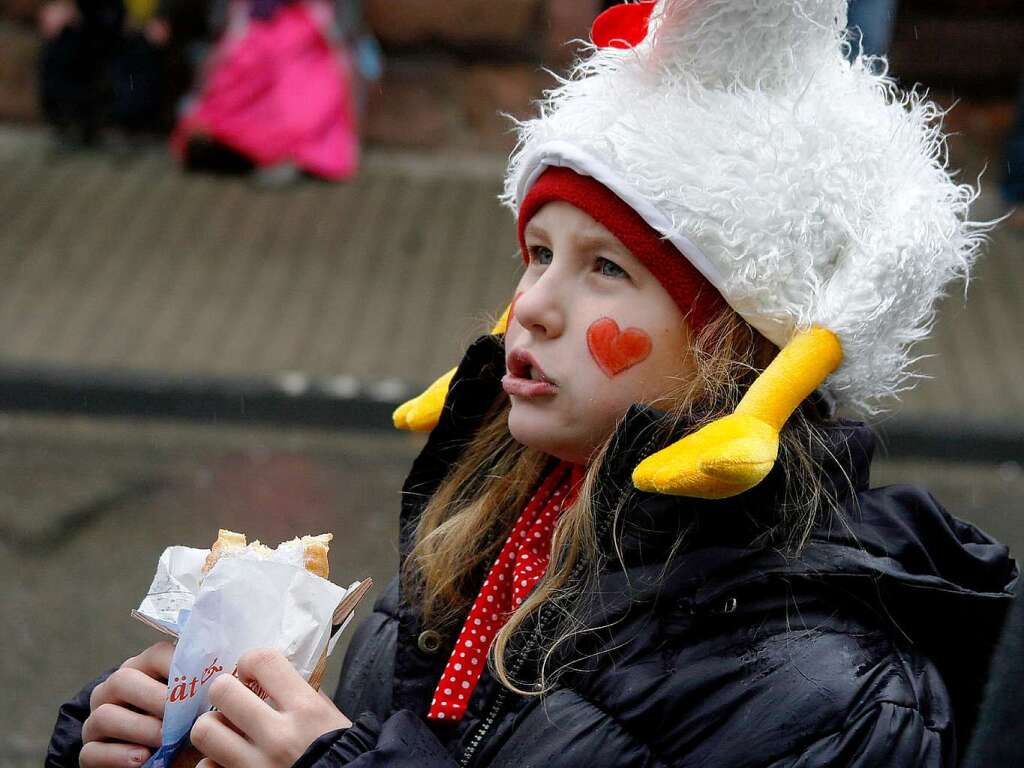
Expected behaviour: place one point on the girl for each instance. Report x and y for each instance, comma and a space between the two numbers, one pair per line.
638, 535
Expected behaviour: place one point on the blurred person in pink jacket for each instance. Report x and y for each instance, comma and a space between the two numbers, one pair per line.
275, 94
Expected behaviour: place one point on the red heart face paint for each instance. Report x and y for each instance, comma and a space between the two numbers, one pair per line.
615, 350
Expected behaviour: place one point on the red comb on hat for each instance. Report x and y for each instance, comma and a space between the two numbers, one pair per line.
622, 26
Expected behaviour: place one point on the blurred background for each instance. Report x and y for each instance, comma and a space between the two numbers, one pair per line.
235, 233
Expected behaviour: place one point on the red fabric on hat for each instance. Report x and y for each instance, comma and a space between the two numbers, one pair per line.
519, 566
622, 26
696, 297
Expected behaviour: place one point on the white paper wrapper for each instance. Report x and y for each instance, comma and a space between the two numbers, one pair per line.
242, 604
174, 588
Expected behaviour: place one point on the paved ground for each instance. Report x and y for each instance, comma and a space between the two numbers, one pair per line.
129, 264
87, 505
125, 264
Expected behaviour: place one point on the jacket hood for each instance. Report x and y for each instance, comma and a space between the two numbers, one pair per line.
897, 532
941, 584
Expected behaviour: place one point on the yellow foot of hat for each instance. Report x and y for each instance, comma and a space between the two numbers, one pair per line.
422, 412
724, 458
736, 452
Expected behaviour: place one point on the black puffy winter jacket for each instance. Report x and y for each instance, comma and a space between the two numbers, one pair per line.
869, 649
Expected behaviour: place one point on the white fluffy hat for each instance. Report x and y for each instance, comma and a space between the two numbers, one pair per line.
808, 190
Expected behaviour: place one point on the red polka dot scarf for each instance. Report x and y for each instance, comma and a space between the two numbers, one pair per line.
520, 564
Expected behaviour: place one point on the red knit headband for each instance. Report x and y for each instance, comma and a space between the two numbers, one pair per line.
696, 297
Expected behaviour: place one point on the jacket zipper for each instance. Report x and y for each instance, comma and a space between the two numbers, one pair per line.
496, 707
499, 700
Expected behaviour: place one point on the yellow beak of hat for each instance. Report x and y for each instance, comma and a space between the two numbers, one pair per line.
736, 452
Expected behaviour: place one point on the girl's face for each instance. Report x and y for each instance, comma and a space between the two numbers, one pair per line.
590, 333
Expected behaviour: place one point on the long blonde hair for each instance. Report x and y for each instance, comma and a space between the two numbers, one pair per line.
466, 521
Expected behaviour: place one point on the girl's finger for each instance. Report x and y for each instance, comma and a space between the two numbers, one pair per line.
207, 763
246, 711
216, 739
112, 722
155, 661
134, 687
276, 675
98, 754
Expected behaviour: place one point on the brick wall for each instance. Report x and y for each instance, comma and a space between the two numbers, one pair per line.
19, 49
452, 66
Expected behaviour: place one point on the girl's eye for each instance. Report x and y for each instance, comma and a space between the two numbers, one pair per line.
610, 268
540, 255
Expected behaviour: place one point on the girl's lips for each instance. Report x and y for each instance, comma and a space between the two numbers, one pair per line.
521, 364
520, 387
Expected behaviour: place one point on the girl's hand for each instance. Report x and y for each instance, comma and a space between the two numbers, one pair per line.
126, 711
247, 732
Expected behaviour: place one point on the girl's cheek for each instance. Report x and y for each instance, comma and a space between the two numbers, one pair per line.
616, 350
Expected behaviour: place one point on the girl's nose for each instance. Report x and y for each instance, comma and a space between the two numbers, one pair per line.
539, 309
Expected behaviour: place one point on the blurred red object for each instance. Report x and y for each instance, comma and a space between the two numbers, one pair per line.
279, 91
622, 26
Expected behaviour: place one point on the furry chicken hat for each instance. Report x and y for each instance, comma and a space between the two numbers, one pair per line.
808, 190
